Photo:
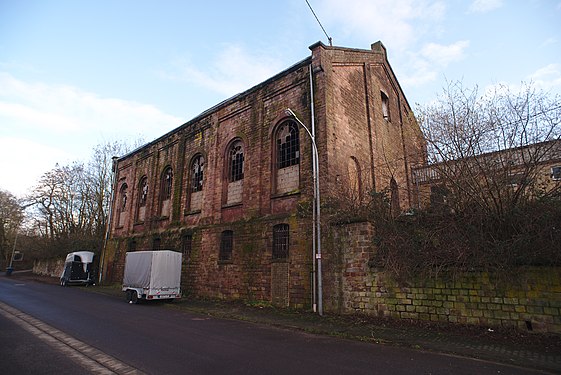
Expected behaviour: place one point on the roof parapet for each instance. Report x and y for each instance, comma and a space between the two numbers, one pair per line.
379, 47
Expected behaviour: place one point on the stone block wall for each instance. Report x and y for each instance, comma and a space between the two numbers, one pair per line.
529, 300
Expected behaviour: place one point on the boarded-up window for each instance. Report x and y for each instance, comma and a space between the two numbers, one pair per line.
280, 241
186, 246
226, 245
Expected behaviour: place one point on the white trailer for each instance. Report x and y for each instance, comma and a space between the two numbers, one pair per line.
78, 269
152, 275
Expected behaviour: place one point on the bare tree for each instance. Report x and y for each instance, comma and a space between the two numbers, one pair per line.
488, 151
71, 202
11, 217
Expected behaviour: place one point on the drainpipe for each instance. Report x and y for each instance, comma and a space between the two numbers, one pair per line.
314, 218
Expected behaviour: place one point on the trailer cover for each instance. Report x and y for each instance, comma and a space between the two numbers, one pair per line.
153, 269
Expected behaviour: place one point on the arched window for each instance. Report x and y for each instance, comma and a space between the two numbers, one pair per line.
280, 241
166, 188
288, 144
195, 190
385, 106
123, 197
143, 191
167, 183
197, 173
142, 199
286, 157
122, 209
236, 161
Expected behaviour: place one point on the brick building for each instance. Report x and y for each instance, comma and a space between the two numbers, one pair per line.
526, 171
232, 188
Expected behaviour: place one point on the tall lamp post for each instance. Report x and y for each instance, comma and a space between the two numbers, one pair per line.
10, 268
317, 216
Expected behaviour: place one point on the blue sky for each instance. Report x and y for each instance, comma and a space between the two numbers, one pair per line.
74, 74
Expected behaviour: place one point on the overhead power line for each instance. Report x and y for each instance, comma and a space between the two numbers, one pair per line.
320, 25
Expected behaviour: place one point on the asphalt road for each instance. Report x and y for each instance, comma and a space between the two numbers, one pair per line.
158, 339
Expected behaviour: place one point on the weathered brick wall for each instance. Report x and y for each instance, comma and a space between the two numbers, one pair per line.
346, 85
347, 274
529, 300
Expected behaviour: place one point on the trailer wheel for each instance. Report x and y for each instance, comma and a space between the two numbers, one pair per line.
132, 296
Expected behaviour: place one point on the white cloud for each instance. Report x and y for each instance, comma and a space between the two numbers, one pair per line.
431, 59
232, 71
391, 21
484, 6
548, 77
548, 42
44, 124
33, 159
444, 55
69, 110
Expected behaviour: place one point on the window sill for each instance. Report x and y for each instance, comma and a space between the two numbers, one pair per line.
119, 227
194, 212
279, 260
225, 262
162, 218
288, 194
232, 205
138, 223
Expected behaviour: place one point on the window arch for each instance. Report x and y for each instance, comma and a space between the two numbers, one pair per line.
123, 196
142, 198
167, 184
286, 157
143, 191
197, 173
385, 106
166, 189
122, 209
287, 141
195, 183
234, 172
236, 161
